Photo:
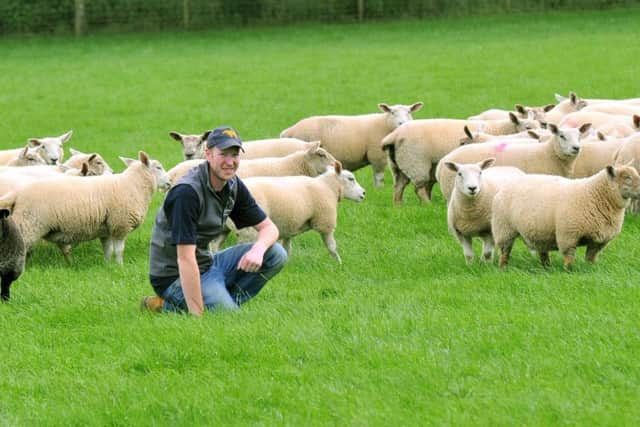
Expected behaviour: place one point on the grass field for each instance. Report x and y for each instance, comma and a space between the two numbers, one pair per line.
404, 332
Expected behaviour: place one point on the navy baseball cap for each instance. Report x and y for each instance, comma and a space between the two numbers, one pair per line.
224, 137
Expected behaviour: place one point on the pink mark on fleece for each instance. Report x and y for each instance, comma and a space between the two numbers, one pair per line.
501, 147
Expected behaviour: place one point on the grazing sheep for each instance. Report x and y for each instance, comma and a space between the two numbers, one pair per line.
565, 106
469, 210
192, 145
416, 147
556, 213
273, 147
96, 164
311, 162
556, 156
107, 207
12, 249
27, 157
355, 140
296, 204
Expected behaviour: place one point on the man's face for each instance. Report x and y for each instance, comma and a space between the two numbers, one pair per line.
223, 163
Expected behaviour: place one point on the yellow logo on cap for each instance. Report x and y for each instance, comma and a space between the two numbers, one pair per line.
230, 133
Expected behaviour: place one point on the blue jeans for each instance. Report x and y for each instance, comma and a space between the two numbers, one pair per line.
223, 285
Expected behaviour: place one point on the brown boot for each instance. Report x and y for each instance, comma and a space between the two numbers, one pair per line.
153, 304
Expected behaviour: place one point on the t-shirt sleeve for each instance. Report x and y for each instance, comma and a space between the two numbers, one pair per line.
182, 208
246, 212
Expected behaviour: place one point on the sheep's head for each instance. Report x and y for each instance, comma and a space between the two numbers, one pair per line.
522, 125
469, 176
626, 179
50, 148
192, 145
567, 140
97, 166
399, 114
535, 113
28, 157
160, 176
318, 159
351, 188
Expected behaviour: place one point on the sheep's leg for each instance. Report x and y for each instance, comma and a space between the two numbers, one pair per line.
378, 179
107, 247
505, 250
5, 287
544, 258
467, 248
569, 256
487, 247
593, 249
400, 183
118, 246
286, 244
66, 252
422, 193
330, 243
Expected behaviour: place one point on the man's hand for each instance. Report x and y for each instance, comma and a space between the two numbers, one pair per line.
251, 261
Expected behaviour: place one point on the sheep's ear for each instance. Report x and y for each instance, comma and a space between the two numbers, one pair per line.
513, 118
417, 106
560, 98
84, 169
548, 108
611, 171
574, 98
487, 162
384, 108
338, 167
584, 129
601, 136
553, 128
205, 136
144, 158
127, 161
467, 132
451, 166
520, 109
636, 121
175, 135
34, 142
24, 152
75, 152
533, 135
91, 157
64, 138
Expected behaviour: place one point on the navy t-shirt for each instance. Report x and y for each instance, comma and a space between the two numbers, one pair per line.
182, 209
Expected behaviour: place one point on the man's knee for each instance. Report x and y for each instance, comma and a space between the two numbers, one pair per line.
276, 256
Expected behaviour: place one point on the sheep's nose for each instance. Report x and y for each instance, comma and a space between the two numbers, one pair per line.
576, 150
472, 189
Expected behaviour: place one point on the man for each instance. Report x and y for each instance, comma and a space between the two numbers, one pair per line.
184, 274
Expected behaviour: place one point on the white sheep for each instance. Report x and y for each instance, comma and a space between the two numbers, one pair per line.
523, 112
629, 153
192, 145
556, 213
416, 147
27, 157
469, 210
50, 148
619, 108
107, 207
273, 147
355, 140
12, 249
565, 106
555, 156
296, 204
311, 162
599, 120
97, 165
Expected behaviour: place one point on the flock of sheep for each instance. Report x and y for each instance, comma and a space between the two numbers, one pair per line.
559, 176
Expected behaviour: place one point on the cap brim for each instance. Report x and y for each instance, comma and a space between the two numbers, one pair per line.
229, 144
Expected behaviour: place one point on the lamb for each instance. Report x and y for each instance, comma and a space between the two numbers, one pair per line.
415, 148
12, 249
355, 140
107, 207
311, 162
556, 156
469, 210
27, 157
96, 164
192, 145
296, 204
556, 213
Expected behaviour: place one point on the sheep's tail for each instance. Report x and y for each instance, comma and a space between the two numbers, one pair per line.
389, 145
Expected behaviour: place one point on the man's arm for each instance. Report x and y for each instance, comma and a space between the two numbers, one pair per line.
267, 236
190, 278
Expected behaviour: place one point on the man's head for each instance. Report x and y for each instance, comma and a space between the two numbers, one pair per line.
223, 154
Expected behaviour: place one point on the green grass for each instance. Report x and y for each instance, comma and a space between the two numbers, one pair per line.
404, 332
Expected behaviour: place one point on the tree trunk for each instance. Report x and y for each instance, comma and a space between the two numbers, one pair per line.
80, 18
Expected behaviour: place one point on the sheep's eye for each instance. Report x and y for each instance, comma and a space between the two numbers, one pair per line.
459, 174
563, 137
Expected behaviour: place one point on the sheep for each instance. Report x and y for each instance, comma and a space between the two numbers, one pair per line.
523, 112
27, 157
599, 120
469, 210
192, 145
528, 136
296, 204
273, 147
556, 156
311, 162
355, 140
556, 213
618, 108
416, 147
107, 207
96, 164
12, 249
50, 148
565, 106
629, 153
595, 155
